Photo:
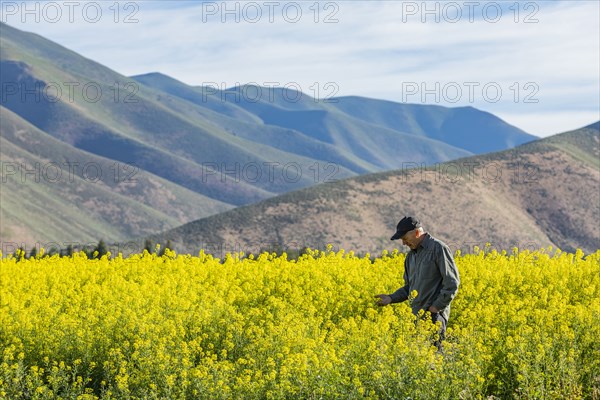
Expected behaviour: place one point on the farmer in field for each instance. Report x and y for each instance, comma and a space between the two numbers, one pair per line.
429, 269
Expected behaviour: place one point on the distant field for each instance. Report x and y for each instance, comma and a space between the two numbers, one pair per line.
524, 325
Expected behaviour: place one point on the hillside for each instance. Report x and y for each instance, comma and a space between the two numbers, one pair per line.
535, 195
133, 125
370, 129
196, 153
103, 197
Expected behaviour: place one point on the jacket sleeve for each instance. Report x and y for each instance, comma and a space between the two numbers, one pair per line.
401, 294
450, 277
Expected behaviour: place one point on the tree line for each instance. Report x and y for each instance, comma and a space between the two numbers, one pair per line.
92, 252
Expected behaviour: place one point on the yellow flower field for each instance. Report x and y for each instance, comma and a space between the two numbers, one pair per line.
523, 325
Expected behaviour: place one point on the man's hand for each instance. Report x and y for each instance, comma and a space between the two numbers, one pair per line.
384, 299
433, 309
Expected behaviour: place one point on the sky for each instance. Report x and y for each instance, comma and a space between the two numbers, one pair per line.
535, 64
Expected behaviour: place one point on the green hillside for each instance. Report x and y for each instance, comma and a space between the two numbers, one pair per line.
178, 146
52, 191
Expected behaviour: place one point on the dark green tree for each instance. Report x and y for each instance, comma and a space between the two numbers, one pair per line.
101, 249
33, 252
148, 246
169, 246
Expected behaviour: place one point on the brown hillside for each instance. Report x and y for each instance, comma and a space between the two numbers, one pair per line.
543, 193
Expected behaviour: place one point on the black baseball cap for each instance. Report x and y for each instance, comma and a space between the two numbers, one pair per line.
406, 224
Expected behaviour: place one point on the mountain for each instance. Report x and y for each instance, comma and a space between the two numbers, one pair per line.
133, 125
196, 151
378, 131
538, 194
104, 198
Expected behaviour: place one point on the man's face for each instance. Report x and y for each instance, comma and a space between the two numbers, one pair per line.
410, 239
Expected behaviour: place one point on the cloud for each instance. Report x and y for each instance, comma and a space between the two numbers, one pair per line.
375, 49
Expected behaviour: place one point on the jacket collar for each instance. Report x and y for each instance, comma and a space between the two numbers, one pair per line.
425, 243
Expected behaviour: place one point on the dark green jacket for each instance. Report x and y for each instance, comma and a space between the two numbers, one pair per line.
431, 271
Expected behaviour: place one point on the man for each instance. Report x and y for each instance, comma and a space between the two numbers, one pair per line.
429, 269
